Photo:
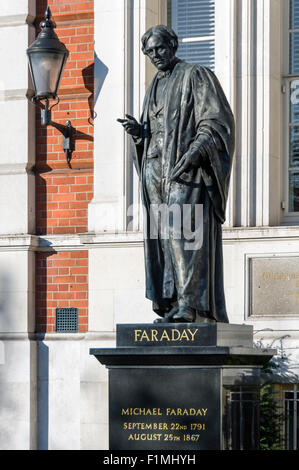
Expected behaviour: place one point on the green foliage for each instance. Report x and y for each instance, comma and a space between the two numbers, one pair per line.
270, 420
270, 416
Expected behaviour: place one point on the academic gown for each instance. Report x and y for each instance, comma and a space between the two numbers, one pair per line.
196, 115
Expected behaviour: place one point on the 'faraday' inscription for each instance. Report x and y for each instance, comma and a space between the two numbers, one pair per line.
171, 335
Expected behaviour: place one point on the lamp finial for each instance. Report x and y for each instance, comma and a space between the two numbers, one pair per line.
48, 23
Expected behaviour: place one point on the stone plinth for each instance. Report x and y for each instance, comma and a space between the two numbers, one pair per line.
171, 385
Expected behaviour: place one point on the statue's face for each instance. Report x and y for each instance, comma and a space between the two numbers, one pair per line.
159, 52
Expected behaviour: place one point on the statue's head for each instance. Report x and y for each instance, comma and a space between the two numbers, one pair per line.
160, 44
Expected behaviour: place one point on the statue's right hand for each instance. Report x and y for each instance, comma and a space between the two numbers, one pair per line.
131, 126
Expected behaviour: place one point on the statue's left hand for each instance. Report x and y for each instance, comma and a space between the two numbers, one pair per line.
186, 163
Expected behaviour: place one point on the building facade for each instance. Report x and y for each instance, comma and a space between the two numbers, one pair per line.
71, 243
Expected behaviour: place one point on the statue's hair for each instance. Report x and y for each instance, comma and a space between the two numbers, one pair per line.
165, 32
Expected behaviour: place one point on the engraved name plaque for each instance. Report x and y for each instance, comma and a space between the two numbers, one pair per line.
165, 409
274, 286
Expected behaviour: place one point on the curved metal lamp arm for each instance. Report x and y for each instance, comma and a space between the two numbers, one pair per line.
66, 131
46, 110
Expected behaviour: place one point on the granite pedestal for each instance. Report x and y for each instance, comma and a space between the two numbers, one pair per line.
183, 386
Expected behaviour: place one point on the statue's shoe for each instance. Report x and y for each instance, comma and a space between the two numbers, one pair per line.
185, 315
161, 320
168, 317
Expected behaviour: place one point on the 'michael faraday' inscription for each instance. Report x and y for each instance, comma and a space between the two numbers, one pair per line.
165, 409
274, 286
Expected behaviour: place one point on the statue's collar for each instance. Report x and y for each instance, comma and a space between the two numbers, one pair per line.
168, 72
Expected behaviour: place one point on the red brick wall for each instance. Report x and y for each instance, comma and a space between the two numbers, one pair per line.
63, 192
62, 202
61, 282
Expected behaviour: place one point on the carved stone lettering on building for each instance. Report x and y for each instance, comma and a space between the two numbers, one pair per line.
274, 286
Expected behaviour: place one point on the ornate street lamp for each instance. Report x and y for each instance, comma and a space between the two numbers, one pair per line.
47, 57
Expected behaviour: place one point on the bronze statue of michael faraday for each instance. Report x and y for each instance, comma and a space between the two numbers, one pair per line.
184, 146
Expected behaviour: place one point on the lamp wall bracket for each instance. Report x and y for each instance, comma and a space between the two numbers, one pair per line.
66, 130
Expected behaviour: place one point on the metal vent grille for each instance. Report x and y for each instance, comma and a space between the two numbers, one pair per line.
66, 320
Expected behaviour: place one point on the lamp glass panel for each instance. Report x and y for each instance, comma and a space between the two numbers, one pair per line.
46, 68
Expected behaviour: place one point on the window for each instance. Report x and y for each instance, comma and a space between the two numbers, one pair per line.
194, 23
286, 399
292, 92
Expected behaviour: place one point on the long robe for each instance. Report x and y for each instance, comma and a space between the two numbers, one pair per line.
196, 114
